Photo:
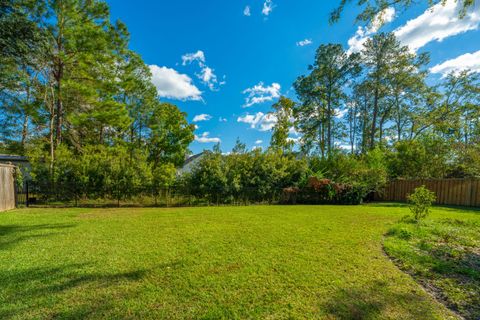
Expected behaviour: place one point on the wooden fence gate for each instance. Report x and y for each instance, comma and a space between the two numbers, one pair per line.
7, 187
461, 192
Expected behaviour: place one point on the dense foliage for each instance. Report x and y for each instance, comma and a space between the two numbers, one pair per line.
245, 176
351, 104
256, 176
79, 103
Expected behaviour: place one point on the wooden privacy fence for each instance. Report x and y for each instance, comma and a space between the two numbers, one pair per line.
461, 192
7, 187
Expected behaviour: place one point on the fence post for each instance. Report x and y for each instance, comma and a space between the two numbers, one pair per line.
15, 187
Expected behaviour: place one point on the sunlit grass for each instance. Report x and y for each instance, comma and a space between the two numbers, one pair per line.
255, 262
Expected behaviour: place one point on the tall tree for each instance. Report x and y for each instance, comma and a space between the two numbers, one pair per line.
386, 61
69, 81
170, 135
239, 147
283, 110
138, 93
322, 94
20, 46
458, 113
407, 91
82, 44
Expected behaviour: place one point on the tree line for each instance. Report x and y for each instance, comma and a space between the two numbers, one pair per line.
382, 98
81, 105
70, 89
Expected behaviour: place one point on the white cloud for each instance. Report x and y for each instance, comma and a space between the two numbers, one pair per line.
174, 85
191, 57
294, 140
267, 7
339, 113
468, 61
293, 131
305, 42
207, 75
260, 94
382, 18
355, 43
438, 23
343, 146
246, 11
435, 24
257, 148
209, 78
259, 142
222, 119
202, 117
204, 138
259, 121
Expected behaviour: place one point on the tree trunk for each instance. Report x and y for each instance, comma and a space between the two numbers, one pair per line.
374, 119
25, 119
399, 119
329, 125
58, 70
51, 134
353, 128
25, 130
52, 140
59, 104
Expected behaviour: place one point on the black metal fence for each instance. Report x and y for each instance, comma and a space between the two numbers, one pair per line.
34, 195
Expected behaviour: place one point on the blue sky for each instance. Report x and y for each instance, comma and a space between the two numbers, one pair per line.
225, 64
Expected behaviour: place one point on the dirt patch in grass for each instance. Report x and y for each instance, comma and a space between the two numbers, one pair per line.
443, 256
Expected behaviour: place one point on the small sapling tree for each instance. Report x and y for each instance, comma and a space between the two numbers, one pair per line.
420, 202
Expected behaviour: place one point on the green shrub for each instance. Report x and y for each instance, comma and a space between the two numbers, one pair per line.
420, 202
351, 194
324, 191
400, 233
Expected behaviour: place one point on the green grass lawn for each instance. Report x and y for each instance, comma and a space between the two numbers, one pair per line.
265, 262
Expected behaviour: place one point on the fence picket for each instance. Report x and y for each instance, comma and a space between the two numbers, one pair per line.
463, 192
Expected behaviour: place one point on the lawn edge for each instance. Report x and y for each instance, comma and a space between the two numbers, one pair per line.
432, 291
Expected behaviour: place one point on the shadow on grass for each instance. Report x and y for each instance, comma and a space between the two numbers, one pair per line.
449, 208
14, 234
71, 291
387, 204
459, 209
375, 301
67, 292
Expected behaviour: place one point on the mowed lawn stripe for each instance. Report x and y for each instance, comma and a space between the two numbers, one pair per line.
265, 262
